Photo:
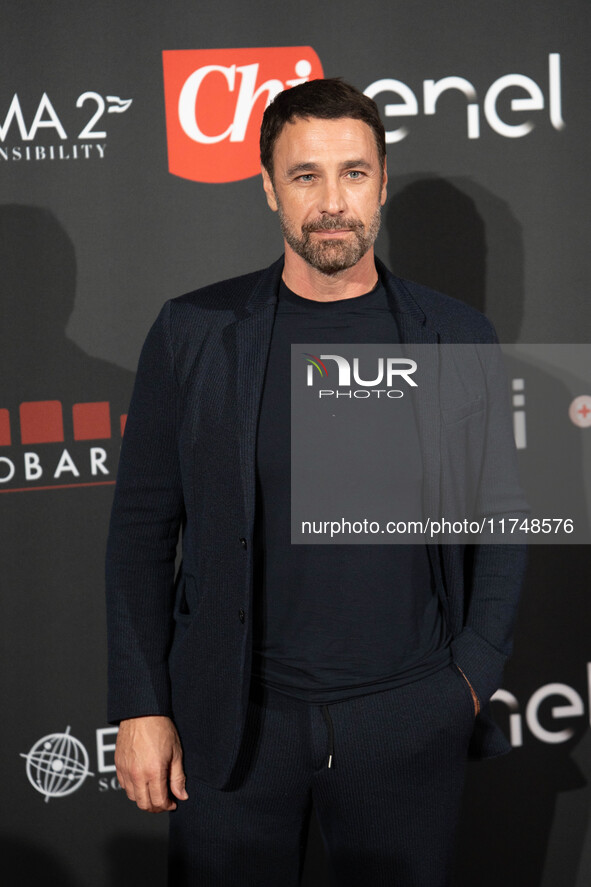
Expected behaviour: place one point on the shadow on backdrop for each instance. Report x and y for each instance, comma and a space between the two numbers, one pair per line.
31, 865
38, 289
456, 237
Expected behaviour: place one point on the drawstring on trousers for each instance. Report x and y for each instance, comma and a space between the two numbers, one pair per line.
328, 720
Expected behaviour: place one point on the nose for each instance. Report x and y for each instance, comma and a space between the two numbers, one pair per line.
332, 197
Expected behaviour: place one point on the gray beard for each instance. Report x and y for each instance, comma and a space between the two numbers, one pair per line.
331, 257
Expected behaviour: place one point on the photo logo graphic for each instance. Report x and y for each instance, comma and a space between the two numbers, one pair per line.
314, 362
215, 99
57, 765
385, 371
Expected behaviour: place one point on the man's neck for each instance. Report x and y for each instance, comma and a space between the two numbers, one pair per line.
309, 283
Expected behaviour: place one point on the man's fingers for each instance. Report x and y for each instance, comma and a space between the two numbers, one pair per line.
120, 778
158, 794
151, 797
147, 754
148, 789
141, 795
149, 793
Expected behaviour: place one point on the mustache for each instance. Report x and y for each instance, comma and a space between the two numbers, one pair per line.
333, 224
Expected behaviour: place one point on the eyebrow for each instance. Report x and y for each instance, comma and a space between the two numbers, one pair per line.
314, 167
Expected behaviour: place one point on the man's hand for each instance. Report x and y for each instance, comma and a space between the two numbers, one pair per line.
148, 759
475, 698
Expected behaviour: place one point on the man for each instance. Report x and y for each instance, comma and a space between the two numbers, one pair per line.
271, 677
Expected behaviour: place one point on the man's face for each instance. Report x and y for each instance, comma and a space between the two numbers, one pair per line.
328, 189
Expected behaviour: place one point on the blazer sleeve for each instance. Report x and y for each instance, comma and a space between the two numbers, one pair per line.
147, 513
493, 572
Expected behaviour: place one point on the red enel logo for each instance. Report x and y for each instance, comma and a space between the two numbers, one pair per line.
215, 99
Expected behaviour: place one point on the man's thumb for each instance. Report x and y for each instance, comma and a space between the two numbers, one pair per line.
177, 781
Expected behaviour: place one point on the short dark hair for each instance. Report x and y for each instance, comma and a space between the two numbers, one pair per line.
328, 99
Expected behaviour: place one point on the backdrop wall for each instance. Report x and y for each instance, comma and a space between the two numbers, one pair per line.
127, 174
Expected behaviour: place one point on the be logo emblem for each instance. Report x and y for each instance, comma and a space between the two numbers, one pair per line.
57, 765
215, 99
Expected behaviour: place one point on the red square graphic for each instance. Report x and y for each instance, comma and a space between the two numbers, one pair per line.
5, 439
92, 421
123, 420
41, 422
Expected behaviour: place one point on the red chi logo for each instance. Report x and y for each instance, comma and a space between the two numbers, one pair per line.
215, 99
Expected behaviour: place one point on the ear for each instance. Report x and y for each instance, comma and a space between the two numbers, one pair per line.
269, 189
384, 192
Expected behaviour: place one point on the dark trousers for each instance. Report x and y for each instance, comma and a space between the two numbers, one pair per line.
387, 806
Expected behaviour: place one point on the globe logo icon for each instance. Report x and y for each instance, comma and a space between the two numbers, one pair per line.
57, 765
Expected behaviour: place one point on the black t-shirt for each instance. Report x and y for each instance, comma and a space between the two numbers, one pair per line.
334, 621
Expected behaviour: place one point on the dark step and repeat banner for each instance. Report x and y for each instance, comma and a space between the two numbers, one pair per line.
129, 174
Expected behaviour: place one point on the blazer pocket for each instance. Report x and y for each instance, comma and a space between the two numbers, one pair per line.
463, 411
187, 605
188, 600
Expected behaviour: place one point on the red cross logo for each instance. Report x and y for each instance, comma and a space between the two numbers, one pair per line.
580, 411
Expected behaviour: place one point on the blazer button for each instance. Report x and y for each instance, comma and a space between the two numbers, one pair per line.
241, 614
243, 542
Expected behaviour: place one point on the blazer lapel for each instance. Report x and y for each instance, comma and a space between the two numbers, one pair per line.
253, 338
427, 411
414, 330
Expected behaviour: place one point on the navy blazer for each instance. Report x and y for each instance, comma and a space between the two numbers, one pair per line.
182, 647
